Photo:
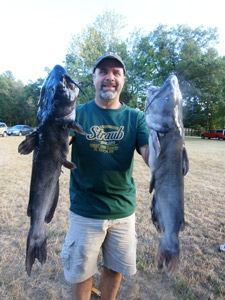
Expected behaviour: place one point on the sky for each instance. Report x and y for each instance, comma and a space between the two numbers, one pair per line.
35, 34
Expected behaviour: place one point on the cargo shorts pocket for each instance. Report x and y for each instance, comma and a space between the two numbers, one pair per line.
67, 253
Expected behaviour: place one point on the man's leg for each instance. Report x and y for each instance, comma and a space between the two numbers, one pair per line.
82, 290
109, 284
80, 253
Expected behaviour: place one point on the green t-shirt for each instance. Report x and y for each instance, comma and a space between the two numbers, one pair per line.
102, 186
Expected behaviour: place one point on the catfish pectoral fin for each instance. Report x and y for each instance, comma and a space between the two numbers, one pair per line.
78, 128
155, 142
69, 165
28, 145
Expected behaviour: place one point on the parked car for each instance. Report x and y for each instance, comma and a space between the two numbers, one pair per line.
214, 134
3, 129
20, 130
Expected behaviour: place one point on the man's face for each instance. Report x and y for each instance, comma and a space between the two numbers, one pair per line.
109, 79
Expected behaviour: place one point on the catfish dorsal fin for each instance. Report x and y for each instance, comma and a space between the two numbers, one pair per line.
28, 145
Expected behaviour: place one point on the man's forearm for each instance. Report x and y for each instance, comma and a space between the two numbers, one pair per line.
144, 150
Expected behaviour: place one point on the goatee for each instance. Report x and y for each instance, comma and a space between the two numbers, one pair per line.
108, 95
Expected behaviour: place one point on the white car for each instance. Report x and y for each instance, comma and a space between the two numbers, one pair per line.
3, 129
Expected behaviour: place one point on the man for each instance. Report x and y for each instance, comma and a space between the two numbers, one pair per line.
102, 191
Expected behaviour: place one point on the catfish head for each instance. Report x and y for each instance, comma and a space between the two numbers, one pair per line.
163, 107
58, 96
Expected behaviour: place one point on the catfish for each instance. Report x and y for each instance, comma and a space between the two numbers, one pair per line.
169, 164
50, 145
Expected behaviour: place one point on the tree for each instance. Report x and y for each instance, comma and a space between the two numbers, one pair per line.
191, 56
18, 103
11, 97
150, 58
32, 94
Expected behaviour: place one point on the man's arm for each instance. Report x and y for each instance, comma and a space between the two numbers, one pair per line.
70, 139
144, 150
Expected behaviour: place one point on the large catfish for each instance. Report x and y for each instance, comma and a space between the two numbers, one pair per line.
50, 142
168, 162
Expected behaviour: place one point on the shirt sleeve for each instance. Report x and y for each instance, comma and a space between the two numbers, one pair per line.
72, 132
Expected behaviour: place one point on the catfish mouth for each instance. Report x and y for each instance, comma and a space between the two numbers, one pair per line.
158, 92
68, 88
65, 97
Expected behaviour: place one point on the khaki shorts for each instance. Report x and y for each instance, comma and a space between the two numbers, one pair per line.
86, 237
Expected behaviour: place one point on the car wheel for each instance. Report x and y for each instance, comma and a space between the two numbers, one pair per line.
20, 133
4, 134
202, 136
218, 138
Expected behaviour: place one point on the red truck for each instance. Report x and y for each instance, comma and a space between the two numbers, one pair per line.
214, 134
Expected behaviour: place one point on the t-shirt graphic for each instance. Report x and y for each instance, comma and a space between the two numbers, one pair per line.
105, 138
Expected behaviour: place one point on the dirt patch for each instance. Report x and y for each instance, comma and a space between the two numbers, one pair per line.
201, 268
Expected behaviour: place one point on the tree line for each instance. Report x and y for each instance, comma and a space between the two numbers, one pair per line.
150, 58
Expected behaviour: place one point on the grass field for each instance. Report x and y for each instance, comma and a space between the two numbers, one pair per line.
201, 271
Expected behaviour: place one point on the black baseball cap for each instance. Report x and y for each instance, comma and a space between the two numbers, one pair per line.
109, 55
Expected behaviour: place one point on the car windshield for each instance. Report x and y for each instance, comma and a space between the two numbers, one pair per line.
17, 127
